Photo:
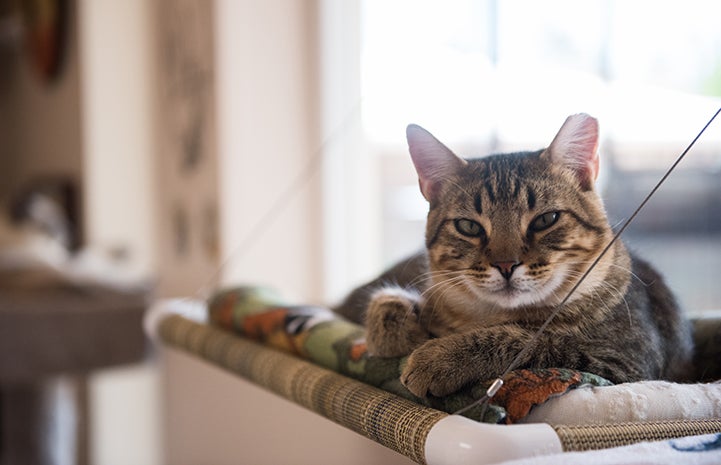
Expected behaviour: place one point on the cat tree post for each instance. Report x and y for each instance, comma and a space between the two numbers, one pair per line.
51, 338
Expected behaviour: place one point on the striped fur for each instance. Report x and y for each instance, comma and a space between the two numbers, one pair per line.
507, 237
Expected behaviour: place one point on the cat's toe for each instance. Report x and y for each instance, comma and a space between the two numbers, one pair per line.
427, 374
417, 380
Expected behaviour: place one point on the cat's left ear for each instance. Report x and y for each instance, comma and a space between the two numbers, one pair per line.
576, 148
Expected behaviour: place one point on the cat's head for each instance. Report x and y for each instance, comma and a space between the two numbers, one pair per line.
513, 230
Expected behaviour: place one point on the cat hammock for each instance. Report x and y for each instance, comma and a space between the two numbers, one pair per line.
317, 360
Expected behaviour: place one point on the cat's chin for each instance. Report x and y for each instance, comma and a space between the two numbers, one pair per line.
511, 299
521, 294
506, 297
511, 296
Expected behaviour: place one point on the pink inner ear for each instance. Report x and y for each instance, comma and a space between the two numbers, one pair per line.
576, 146
594, 165
434, 162
426, 188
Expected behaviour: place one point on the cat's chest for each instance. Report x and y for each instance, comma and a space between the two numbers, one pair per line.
442, 319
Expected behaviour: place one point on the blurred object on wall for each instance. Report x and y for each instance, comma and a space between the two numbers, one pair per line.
41, 243
45, 23
38, 27
187, 145
52, 206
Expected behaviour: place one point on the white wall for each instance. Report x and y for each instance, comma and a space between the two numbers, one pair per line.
117, 78
351, 184
271, 233
219, 418
268, 134
117, 121
125, 416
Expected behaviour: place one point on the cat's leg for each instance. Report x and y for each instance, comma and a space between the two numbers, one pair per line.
392, 324
444, 365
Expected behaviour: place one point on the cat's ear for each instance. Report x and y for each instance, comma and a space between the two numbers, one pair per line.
576, 147
434, 161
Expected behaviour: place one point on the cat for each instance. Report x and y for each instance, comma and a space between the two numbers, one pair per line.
507, 238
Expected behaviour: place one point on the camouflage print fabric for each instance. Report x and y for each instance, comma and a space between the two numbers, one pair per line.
322, 337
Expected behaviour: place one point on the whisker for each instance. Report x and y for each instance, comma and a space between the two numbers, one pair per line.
432, 290
605, 285
441, 287
430, 275
616, 265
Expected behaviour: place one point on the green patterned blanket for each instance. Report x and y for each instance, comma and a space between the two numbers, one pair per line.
322, 337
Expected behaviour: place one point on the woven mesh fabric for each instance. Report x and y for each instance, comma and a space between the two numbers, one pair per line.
589, 437
390, 420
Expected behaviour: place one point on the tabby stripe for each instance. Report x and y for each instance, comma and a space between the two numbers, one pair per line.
491, 194
436, 234
477, 204
531, 197
584, 223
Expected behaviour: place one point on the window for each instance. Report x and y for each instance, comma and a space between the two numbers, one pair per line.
488, 76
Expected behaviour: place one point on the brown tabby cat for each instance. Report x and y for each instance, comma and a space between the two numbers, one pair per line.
507, 237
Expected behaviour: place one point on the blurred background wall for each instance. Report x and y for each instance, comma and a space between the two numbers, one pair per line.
182, 123
91, 122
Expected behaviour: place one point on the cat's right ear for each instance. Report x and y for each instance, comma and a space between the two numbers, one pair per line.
434, 161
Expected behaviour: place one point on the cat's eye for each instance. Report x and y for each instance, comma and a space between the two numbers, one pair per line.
544, 221
469, 227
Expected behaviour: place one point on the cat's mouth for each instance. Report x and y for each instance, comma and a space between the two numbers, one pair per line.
513, 294
506, 294
518, 292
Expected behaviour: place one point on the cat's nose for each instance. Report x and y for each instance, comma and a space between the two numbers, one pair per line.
506, 268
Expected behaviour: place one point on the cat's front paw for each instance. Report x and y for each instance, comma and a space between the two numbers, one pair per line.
437, 368
392, 324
